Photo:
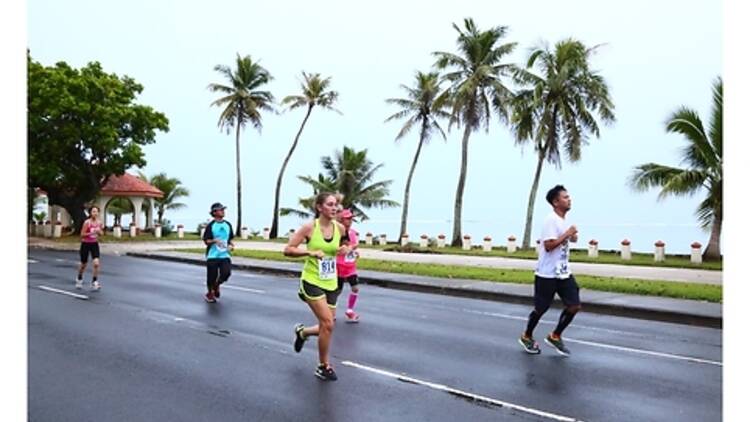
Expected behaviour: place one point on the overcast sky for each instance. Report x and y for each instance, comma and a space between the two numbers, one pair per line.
657, 56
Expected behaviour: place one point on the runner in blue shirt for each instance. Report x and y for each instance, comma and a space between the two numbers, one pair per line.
218, 238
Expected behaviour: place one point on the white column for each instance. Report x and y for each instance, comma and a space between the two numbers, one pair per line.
441, 241
157, 230
150, 213
137, 205
466, 244
659, 254
695, 253
404, 239
512, 244
487, 244
625, 250
266, 233
423, 241
382, 240
368, 239
245, 234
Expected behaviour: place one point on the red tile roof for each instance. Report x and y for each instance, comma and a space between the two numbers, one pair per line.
129, 185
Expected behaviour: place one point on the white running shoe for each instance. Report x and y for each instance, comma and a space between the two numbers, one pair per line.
79, 283
96, 286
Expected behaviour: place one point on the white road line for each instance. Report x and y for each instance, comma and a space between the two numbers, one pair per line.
603, 345
644, 352
525, 318
63, 292
32, 261
461, 393
244, 289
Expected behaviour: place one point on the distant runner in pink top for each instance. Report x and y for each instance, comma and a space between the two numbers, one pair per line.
90, 232
346, 265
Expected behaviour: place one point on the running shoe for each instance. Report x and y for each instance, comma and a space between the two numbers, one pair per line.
351, 316
79, 283
529, 345
325, 372
299, 340
217, 292
210, 297
558, 344
95, 286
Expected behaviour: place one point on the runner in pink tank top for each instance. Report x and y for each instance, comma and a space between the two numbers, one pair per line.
90, 232
346, 265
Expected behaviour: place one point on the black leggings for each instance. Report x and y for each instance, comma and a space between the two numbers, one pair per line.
219, 269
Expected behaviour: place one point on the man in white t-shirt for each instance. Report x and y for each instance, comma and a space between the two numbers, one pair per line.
553, 275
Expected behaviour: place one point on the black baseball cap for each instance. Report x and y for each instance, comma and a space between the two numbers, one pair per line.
216, 206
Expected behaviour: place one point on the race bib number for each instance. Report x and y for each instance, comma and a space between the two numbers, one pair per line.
327, 268
350, 257
221, 247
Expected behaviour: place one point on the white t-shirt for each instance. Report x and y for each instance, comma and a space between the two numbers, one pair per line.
553, 264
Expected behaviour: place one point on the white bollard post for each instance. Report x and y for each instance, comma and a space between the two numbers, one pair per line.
117, 231
180, 231
659, 254
593, 248
539, 247
266, 233
157, 231
695, 253
382, 240
466, 243
245, 233
512, 244
203, 231
290, 234
487, 244
625, 253
368, 239
424, 240
404, 239
57, 230
441, 241
133, 230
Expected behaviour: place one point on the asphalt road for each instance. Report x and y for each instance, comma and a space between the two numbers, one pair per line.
148, 348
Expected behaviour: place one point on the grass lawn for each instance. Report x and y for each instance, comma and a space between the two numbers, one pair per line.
694, 291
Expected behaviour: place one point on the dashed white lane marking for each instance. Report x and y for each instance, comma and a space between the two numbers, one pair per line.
644, 352
244, 289
604, 345
525, 318
460, 393
63, 292
32, 261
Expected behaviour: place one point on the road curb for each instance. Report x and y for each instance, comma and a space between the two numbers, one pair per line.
391, 282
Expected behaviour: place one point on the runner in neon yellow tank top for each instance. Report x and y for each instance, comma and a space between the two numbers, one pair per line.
319, 282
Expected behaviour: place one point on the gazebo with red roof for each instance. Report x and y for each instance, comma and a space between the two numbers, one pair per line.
134, 189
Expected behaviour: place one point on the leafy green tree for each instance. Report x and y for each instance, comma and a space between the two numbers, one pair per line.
476, 89
422, 107
118, 207
315, 92
704, 169
173, 190
555, 109
83, 127
242, 101
351, 174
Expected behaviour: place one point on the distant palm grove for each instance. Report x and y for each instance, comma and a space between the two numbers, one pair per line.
555, 101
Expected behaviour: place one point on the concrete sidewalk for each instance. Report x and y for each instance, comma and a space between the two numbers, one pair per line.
604, 270
633, 306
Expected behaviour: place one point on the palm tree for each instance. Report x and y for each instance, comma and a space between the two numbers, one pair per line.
350, 173
555, 109
314, 92
119, 206
476, 88
703, 157
242, 102
422, 107
172, 189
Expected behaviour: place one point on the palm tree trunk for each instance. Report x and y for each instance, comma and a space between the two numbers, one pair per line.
460, 188
532, 199
238, 228
405, 209
275, 222
713, 250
